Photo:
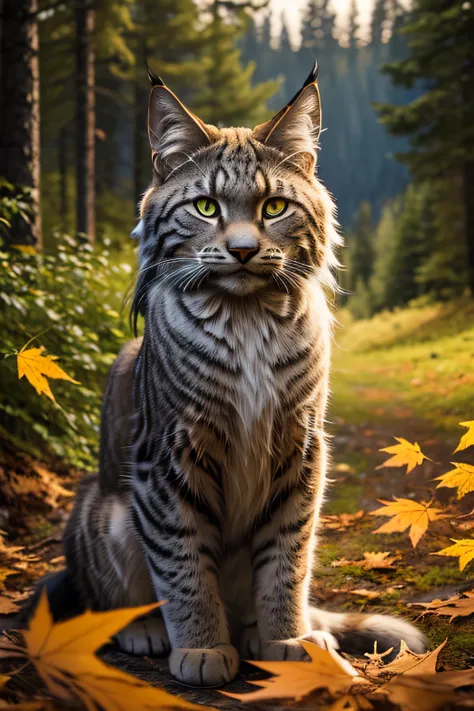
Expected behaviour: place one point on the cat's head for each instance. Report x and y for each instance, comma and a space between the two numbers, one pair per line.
231, 209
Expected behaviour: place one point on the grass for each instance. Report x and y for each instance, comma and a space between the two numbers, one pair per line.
419, 361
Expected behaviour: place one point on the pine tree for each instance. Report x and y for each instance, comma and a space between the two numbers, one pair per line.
439, 122
228, 98
360, 252
19, 117
85, 119
353, 26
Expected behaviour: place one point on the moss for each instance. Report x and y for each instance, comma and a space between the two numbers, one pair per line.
343, 499
434, 577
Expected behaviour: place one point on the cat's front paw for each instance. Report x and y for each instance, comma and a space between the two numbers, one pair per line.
148, 636
205, 667
292, 649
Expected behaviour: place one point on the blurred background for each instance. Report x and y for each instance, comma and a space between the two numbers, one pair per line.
397, 86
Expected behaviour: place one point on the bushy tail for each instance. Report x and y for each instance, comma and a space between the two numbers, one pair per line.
62, 596
356, 633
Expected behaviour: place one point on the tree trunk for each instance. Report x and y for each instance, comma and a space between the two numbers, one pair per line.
62, 166
138, 139
468, 180
20, 116
85, 119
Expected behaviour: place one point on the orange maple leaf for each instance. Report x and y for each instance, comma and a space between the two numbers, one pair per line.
406, 513
296, 679
461, 477
63, 655
37, 367
405, 453
462, 549
467, 440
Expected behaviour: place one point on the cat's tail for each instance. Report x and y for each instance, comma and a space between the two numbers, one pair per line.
63, 599
356, 633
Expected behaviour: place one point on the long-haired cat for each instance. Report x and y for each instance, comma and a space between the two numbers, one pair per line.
213, 451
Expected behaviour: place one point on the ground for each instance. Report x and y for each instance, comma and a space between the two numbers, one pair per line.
408, 374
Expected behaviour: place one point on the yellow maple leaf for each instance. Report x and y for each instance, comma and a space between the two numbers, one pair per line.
461, 477
462, 549
296, 679
467, 440
406, 513
405, 453
37, 367
63, 655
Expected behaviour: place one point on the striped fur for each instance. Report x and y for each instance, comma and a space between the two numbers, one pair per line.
213, 456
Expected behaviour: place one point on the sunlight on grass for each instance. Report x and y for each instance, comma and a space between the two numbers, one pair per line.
417, 362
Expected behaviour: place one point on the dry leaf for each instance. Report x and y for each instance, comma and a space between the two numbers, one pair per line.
7, 605
297, 679
407, 662
413, 693
467, 440
462, 549
4, 573
63, 655
372, 561
339, 522
461, 477
363, 592
406, 513
38, 367
405, 453
461, 605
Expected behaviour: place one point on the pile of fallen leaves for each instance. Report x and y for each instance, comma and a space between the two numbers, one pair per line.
73, 676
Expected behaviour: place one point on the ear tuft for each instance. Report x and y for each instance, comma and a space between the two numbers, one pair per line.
155, 80
296, 128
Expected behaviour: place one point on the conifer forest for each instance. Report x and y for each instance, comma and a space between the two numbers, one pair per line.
396, 151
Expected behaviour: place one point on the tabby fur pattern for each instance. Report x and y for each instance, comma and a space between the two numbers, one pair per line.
213, 452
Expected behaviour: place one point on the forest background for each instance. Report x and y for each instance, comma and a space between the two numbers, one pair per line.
397, 152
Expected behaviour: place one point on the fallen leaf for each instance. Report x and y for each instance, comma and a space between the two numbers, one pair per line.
7, 605
297, 679
406, 513
405, 453
339, 522
462, 549
63, 655
4, 574
37, 367
407, 662
371, 561
461, 605
467, 440
461, 477
363, 592
412, 693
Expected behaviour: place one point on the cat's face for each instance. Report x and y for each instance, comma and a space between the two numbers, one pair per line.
235, 210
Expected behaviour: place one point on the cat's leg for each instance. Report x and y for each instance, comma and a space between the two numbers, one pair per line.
282, 558
108, 567
181, 536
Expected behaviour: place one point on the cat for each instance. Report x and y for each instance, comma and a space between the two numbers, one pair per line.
213, 449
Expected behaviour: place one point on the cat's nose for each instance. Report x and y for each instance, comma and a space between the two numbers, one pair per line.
243, 248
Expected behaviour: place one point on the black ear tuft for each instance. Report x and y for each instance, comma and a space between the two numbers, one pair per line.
155, 80
313, 75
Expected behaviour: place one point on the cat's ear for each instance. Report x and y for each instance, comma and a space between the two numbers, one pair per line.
174, 132
296, 128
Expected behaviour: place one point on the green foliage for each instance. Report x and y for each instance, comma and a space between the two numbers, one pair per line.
15, 206
228, 97
62, 299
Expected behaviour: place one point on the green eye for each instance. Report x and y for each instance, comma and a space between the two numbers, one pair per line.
207, 207
275, 207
